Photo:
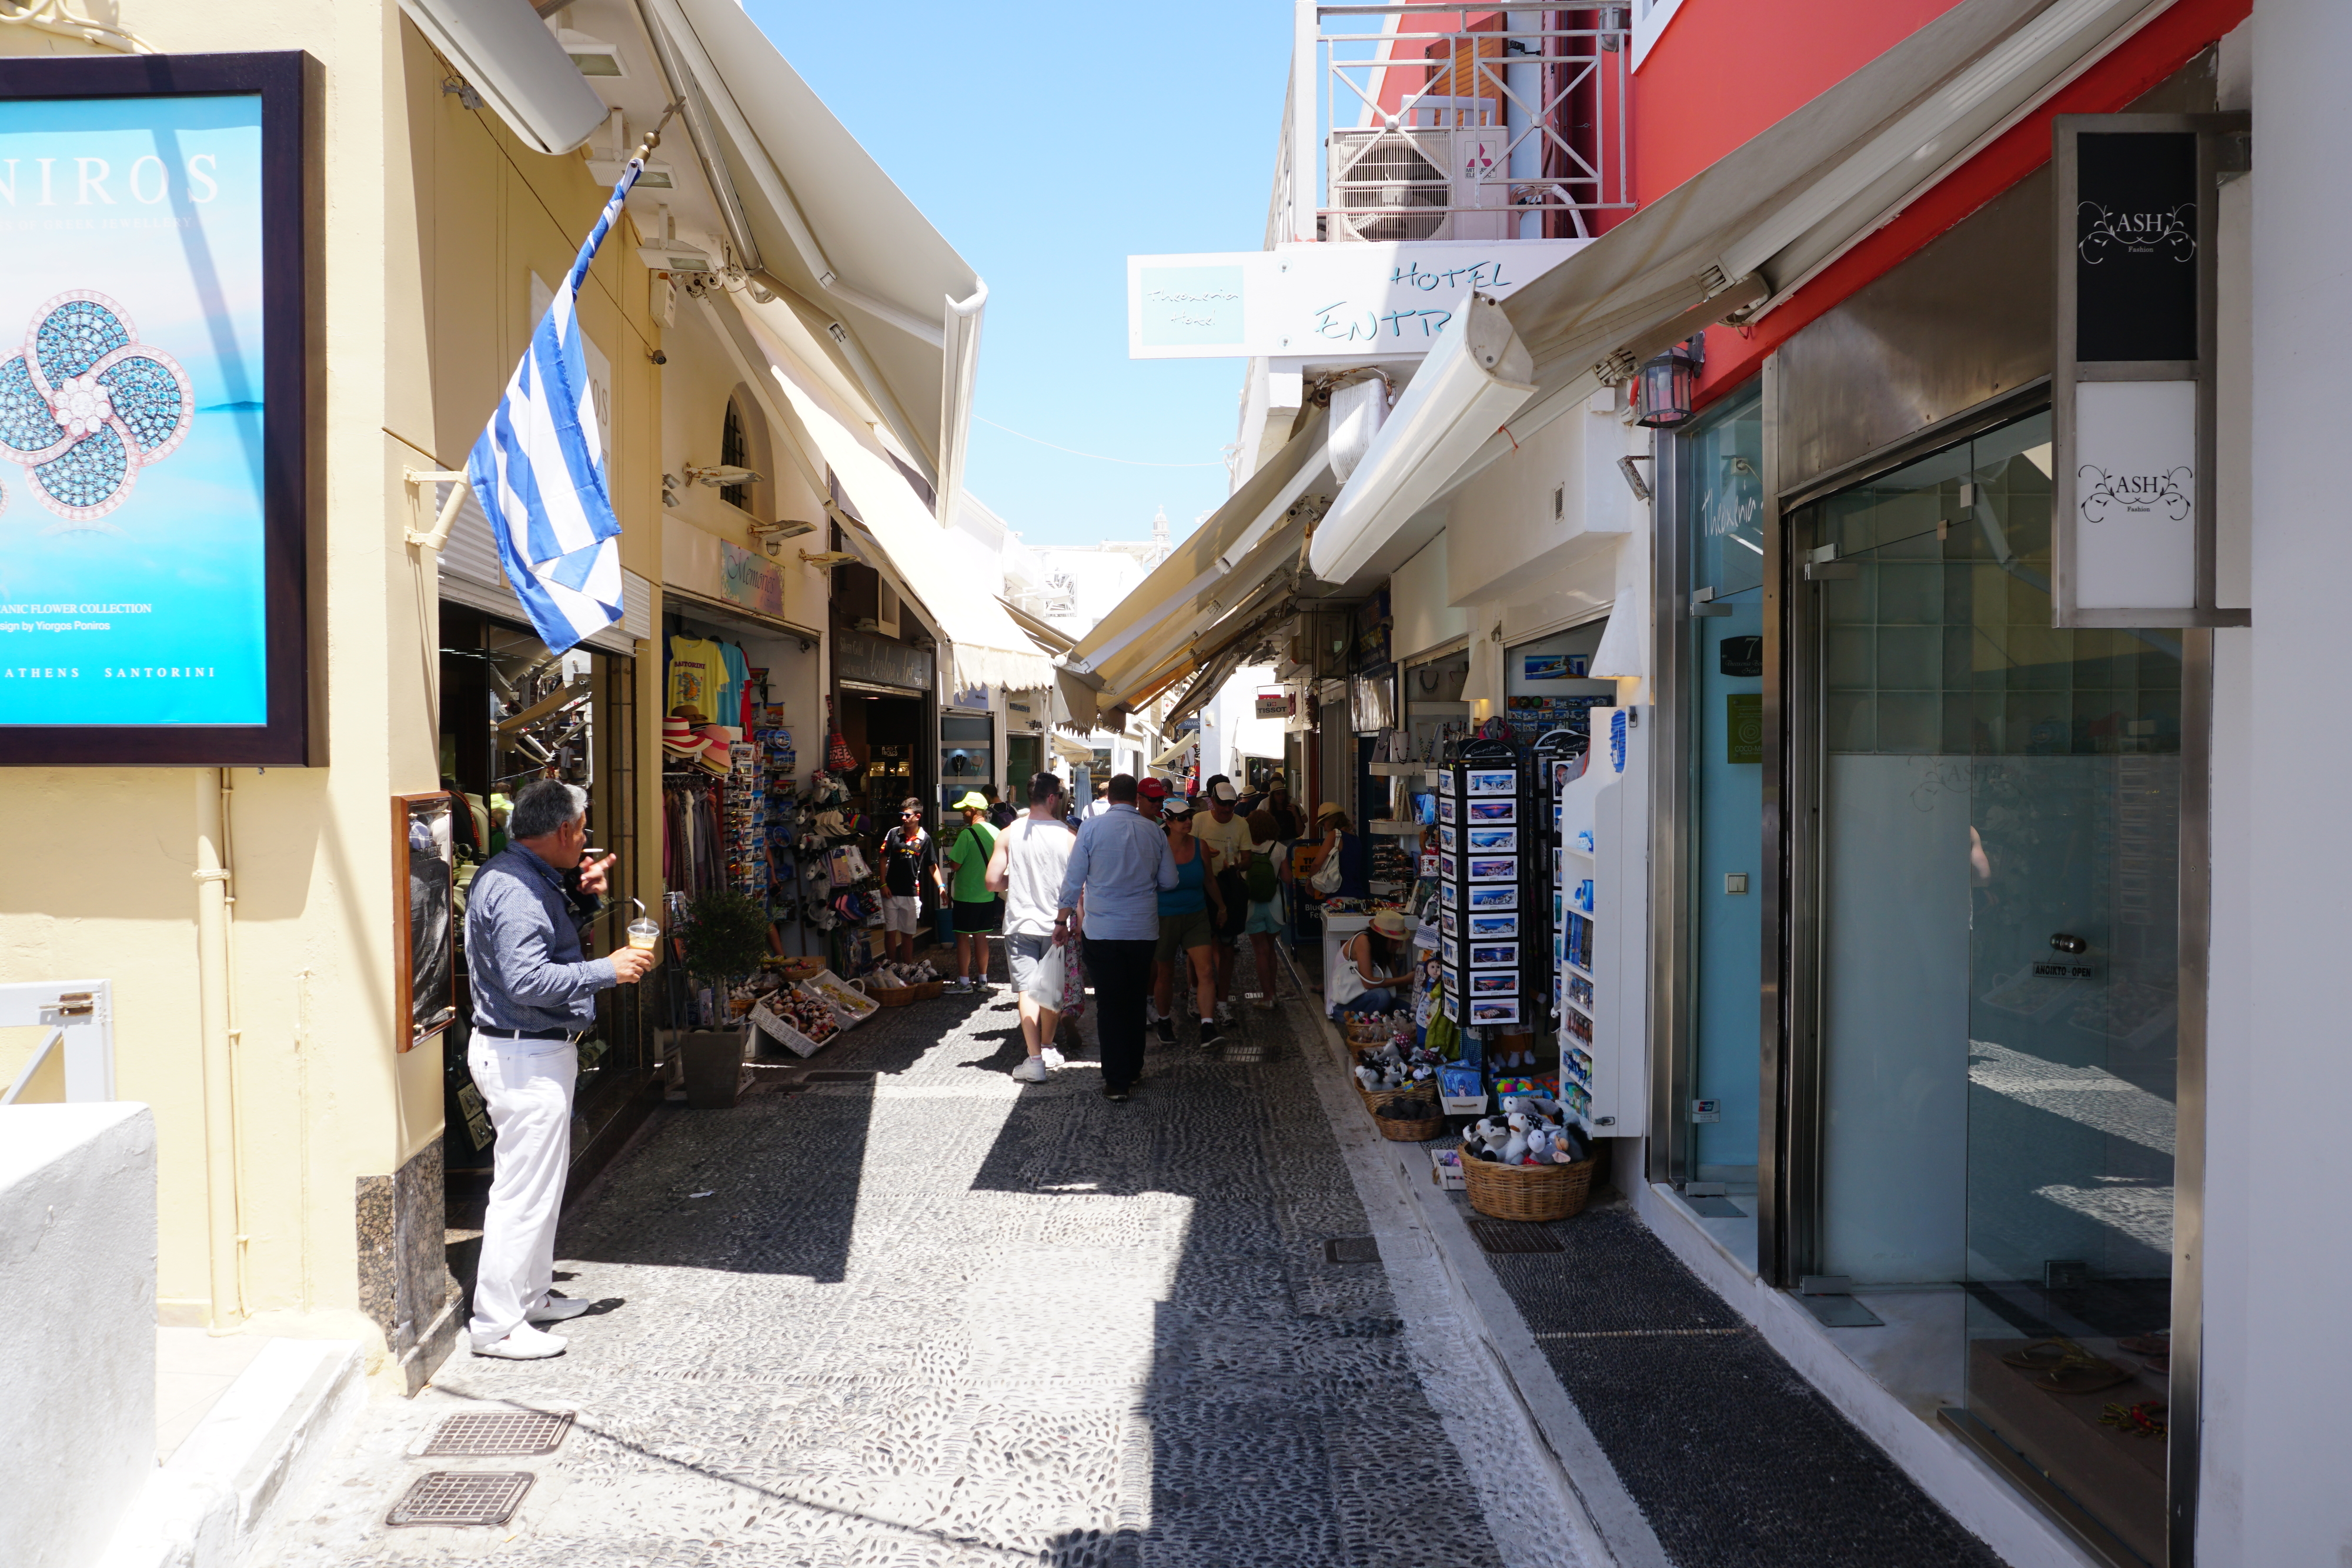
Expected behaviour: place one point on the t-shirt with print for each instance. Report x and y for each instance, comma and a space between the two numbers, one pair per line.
1229, 841
697, 671
969, 852
738, 696
904, 858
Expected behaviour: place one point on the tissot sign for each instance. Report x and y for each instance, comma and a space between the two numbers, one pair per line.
1342, 300
2132, 396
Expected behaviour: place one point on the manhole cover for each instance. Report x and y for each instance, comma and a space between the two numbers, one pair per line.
834, 1077
501, 1432
1514, 1236
1351, 1249
461, 1497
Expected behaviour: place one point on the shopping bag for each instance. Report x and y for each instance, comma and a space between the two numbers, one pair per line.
1050, 981
1074, 982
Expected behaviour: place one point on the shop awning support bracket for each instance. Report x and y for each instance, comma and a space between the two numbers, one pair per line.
459, 489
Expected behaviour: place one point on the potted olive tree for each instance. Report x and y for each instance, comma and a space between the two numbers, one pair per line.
726, 935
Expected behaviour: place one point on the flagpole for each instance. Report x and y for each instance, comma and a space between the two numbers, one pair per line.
460, 484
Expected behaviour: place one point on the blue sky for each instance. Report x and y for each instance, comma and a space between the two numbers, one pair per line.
1048, 142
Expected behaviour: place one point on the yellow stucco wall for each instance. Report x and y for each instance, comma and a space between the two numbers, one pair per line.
434, 218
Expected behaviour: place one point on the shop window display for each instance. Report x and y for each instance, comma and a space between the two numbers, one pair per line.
1998, 983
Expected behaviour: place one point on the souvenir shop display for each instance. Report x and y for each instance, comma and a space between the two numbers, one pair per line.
1599, 897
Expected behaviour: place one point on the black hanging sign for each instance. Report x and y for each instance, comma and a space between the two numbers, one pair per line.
2131, 398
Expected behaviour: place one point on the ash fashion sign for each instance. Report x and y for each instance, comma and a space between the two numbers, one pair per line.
144, 576
2133, 393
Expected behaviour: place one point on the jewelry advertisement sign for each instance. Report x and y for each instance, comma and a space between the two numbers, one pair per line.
152, 412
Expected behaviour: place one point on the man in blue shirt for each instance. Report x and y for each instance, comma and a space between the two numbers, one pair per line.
534, 996
1120, 862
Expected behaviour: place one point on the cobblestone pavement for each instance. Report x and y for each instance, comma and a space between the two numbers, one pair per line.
938, 1318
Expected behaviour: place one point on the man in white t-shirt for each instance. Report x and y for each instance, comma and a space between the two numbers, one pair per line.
1032, 855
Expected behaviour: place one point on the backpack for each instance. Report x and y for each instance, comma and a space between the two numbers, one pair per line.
1259, 877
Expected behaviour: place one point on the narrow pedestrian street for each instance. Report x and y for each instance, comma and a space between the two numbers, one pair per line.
912, 1312
893, 1308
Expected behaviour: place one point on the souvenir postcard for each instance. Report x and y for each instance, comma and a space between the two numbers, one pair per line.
1498, 983
1494, 953
1492, 812
1498, 1010
1505, 868
1494, 841
1503, 781
1507, 896
1485, 927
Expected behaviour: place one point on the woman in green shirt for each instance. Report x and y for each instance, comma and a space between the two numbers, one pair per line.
978, 912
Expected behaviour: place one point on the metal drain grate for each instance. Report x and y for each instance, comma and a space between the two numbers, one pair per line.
1351, 1249
837, 1077
501, 1432
461, 1497
1514, 1236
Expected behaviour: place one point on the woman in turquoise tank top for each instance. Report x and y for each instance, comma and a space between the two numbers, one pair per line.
1186, 925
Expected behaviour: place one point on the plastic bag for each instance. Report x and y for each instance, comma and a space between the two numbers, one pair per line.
1050, 980
1326, 880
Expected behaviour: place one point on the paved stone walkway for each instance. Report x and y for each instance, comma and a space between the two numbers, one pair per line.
940, 1319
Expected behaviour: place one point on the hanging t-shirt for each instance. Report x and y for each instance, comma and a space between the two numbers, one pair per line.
738, 696
696, 672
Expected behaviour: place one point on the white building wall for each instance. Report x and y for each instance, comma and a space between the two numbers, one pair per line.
2278, 1274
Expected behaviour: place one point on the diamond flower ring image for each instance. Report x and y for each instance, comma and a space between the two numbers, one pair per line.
87, 405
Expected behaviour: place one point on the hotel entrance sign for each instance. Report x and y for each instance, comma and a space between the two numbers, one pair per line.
2132, 527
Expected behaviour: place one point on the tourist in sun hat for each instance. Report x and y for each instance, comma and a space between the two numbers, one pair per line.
978, 912
1377, 964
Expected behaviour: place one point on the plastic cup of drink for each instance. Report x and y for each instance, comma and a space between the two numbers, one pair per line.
644, 935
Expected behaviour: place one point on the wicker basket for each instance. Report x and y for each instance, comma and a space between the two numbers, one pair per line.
894, 996
1415, 1131
930, 988
1374, 1099
1528, 1192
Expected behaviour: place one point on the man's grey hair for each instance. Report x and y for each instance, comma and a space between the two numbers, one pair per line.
545, 806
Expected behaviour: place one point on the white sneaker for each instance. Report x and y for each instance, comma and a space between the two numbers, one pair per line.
1226, 1012
1052, 1059
555, 1308
1031, 1071
525, 1343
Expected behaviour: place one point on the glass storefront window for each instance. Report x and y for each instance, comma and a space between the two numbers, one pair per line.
1998, 983
1719, 488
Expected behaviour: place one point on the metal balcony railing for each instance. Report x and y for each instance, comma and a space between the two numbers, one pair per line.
1458, 122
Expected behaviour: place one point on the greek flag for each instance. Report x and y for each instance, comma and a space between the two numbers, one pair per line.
539, 472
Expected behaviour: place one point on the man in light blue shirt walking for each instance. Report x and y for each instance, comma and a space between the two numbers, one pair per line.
1120, 862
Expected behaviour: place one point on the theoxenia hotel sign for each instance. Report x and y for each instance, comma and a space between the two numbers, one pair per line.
2132, 394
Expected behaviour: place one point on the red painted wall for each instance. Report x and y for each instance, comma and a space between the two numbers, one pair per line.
1726, 70
2136, 66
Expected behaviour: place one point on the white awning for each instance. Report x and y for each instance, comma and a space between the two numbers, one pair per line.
818, 215
1742, 235
948, 574
1210, 572
507, 55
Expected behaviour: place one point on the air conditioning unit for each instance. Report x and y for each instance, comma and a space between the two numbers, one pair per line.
1420, 168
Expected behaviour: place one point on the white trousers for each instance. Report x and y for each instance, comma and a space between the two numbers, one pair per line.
526, 1086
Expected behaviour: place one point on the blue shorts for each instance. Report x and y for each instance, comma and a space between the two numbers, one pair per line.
1265, 918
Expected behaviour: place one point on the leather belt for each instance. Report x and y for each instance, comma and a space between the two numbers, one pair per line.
573, 1039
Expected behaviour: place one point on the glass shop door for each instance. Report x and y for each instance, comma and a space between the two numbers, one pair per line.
1998, 878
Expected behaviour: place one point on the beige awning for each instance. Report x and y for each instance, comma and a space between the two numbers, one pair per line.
1209, 563
811, 212
984, 644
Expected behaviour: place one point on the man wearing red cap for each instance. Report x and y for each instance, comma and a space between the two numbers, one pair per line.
1147, 798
